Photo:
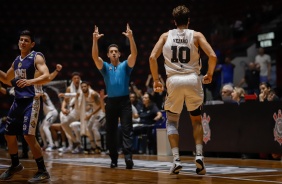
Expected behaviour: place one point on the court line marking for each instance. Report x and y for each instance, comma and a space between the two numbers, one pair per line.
159, 171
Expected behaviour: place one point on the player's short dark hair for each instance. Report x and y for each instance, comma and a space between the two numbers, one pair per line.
112, 45
181, 15
75, 74
27, 32
85, 82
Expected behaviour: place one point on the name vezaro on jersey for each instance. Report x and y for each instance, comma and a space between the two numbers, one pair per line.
180, 40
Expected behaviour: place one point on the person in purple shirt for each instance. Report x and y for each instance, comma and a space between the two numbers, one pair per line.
27, 74
118, 107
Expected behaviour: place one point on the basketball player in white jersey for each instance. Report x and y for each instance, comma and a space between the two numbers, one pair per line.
51, 115
92, 116
70, 111
180, 48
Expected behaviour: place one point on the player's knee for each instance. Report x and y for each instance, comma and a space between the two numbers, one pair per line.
172, 123
171, 128
46, 128
196, 112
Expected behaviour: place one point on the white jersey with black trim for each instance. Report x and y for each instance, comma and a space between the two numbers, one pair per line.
180, 54
48, 106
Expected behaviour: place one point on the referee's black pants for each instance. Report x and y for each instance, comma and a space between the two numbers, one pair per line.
118, 109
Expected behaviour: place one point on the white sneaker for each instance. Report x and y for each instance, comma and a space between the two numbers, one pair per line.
77, 150
199, 161
50, 149
61, 149
68, 150
176, 167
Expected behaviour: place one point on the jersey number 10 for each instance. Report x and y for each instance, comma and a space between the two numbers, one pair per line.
183, 54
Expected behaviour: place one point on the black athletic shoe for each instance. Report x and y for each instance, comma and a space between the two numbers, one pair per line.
129, 163
176, 167
199, 161
113, 165
40, 176
9, 173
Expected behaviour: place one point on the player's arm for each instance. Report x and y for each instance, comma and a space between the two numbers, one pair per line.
102, 98
8, 76
2, 90
205, 46
97, 101
156, 52
41, 76
65, 102
55, 72
95, 50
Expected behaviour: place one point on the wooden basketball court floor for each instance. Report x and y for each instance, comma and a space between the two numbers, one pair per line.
82, 168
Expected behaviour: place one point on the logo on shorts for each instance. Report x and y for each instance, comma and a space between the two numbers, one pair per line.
24, 127
206, 128
25, 118
32, 124
35, 105
277, 131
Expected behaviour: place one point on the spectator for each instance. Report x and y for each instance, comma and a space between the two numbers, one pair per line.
227, 71
51, 115
92, 115
226, 92
56, 129
215, 85
238, 29
149, 114
238, 95
263, 62
135, 101
252, 79
70, 111
133, 89
266, 93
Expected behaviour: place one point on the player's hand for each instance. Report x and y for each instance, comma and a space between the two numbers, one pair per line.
77, 95
102, 94
61, 95
21, 83
207, 79
96, 35
65, 111
87, 117
128, 33
158, 86
59, 67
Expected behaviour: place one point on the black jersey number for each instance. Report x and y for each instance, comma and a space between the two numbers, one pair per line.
183, 52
